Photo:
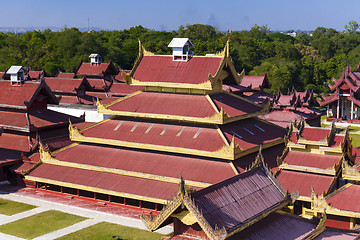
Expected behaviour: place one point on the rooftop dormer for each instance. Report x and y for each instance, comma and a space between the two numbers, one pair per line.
16, 74
180, 48
95, 58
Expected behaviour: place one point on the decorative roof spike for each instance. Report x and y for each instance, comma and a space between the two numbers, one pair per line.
259, 160
358, 68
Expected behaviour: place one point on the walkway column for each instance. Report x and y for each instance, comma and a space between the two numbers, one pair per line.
327, 111
342, 108
352, 110
338, 108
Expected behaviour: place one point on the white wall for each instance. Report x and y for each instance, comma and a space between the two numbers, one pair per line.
91, 115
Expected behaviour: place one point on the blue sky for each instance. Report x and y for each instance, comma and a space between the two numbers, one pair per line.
169, 15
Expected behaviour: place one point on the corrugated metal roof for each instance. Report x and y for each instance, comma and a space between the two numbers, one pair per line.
166, 103
252, 132
187, 139
15, 95
164, 69
346, 199
106, 181
236, 200
14, 142
278, 227
313, 160
303, 182
191, 168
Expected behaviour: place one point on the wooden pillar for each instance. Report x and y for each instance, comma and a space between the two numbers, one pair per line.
156, 206
352, 222
124, 201
45, 186
327, 111
61, 189
352, 110
109, 198
342, 108
338, 108
78, 192
140, 203
94, 195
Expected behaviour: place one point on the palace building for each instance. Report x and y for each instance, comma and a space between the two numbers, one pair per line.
344, 102
180, 124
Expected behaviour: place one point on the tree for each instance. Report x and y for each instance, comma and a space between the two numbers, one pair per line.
351, 27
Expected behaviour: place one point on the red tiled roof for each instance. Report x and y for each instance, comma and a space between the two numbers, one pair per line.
133, 131
166, 103
14, 142
107, 181
15, 95
119, 77
164, 69
253, 82
329, 99
252, 132
235, 88
38, 119
98, 84
64, 85
65, 75
257, 97
277, 227
346, 199
312, 160
34, 74
122, 89
191, 168
315, 134
269, 154
282, 116
233, 106
88, 69
303, 182
236, 200
184, 104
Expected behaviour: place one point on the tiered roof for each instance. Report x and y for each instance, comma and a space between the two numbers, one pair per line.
313, 159
181, 122
225, 208
349, 81
97, 70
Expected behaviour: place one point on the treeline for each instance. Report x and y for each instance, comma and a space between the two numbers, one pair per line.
303, 61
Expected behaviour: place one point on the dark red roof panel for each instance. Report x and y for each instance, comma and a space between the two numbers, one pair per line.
106, 181
166, 103
347, 199
63, 85
303, 182
13, 119
234, 201
15, 95
252, 132
336, 234
164, 69
14, 142
277, 227
253, 82
312, 160
88, 69
195, 169
122, 89
315, 134
233, 106
65, 75
97, 83
269, 154
162, 134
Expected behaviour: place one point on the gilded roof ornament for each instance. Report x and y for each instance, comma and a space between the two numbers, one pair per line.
74, 131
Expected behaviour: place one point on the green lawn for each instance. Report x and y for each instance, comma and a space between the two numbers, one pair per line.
9, 208
355, 140
40, 224
106, 230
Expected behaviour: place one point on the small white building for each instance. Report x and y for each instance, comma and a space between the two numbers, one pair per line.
95, 58
17, 74
181, 48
